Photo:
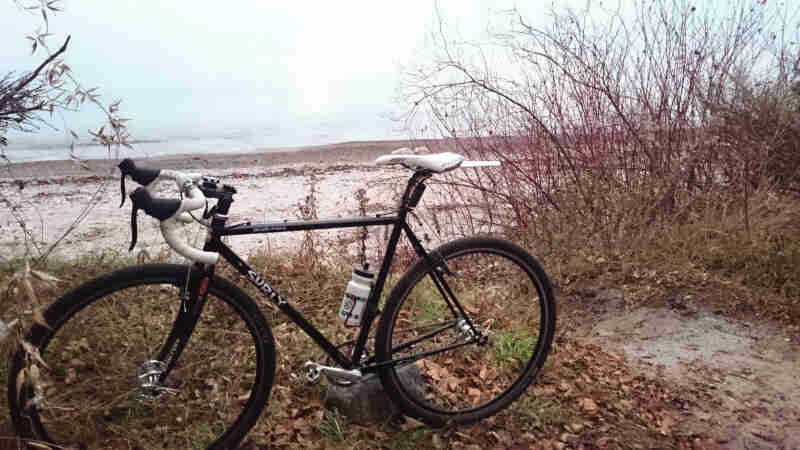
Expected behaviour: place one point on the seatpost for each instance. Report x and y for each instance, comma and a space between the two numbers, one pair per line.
414, 190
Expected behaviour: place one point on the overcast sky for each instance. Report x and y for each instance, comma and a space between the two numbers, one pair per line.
201, 64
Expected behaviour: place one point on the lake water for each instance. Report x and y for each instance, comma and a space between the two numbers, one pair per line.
23, 148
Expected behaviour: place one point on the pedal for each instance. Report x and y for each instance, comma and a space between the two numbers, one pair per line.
334, 374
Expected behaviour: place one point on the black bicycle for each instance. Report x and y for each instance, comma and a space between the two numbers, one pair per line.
133, 358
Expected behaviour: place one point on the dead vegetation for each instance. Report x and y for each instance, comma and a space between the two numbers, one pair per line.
586, 395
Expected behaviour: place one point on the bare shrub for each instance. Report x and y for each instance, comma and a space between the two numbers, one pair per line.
607, 122
762, 122
27, 99
310, 251
27, 102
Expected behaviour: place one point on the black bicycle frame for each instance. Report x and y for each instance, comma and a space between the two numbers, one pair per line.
411, 197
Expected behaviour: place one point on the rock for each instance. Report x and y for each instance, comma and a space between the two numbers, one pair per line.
366, 402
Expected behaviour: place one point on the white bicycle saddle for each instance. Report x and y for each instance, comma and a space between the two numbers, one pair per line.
436, 162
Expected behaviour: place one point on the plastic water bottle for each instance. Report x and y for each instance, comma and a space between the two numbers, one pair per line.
355, 296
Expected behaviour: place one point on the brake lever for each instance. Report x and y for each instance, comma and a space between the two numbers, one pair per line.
122, 190
135, 202
141, 175
134, 216
126, 167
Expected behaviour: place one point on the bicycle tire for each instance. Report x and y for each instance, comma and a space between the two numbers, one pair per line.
494, 281
99, 338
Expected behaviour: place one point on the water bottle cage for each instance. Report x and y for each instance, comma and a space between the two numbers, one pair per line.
353, 300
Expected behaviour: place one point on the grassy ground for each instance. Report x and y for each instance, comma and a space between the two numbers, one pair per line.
586, 396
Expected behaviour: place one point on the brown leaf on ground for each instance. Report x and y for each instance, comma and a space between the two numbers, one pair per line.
665, 425
587, 404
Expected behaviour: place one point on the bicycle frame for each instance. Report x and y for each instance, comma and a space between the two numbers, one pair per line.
196, 294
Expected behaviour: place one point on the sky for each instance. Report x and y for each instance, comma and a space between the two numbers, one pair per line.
188, 67
201, 66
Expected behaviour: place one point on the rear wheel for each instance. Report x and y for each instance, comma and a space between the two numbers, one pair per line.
104, 337
477, 326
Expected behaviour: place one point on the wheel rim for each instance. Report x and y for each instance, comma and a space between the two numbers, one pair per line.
504, 301
94, 392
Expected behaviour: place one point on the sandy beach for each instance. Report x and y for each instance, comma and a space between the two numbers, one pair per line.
48, 196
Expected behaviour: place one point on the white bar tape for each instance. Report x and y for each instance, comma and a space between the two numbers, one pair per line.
179, 178
193, 200
169, 228
184, 217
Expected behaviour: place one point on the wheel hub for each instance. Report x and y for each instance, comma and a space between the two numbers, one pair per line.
466, 331
149, 377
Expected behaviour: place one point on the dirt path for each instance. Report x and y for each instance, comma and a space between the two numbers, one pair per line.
749, 372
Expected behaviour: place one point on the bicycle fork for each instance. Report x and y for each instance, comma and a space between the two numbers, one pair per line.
153, 373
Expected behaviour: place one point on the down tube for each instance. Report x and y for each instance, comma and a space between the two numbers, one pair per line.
281, 303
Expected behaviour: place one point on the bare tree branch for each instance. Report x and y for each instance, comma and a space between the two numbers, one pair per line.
46, 62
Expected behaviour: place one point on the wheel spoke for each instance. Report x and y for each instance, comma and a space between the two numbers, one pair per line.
468, 367
102, 389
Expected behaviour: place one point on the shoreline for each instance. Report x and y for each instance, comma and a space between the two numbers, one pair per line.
271, 186
346, 153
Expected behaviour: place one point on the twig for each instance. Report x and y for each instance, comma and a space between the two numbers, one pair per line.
47, 61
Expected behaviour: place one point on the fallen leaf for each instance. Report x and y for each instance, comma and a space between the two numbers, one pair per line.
452, 383
575, 427
588, 404
666, 424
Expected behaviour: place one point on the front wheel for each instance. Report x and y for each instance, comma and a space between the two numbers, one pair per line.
100, 387
477, 324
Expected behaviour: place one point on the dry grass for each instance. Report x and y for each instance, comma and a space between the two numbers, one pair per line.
585, 394
753, 269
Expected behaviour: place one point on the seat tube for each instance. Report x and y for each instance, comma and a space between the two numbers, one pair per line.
413, 193
370, 311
